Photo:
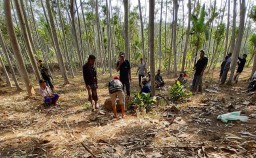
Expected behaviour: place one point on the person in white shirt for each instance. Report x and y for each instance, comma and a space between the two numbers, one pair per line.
141, 70
46, 92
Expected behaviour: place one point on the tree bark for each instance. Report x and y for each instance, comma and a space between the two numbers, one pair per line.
160, 37
24, 29
151, 45
142, 30
74, 32
16, 48
56, 42
239, 40
254, 64
9, 61
126, 29
187, 38
176, 6
109, 40
233, 36
6, 73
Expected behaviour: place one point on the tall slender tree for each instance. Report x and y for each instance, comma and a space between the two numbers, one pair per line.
142, 30
160, 37
16, 48
2, 44
56, 43
5, 72
187, 37
239, 40
126, 29
233, 36
27, 39
174, 46
151, 43
227, 31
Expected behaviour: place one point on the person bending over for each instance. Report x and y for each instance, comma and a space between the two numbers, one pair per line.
115, 88
241, 62
45, 74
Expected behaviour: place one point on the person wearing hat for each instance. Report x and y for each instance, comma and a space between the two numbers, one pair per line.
91, 82
124, 68
115, 88
146, 86
241, 62
46, 92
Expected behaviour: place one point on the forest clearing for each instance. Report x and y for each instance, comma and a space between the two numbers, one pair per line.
30, 130
127, 78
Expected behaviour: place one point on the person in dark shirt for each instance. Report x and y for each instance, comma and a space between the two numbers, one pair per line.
199, 71
159, 80
241, 62
45, 74
226, 69
222, 66
146, 86
124, 68
90, 80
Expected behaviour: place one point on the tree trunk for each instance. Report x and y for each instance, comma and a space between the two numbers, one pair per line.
27, 39
99, 39
56, 43
74, 32
239, 40
151, 44
142, 31
254, 64
187, 38
9, 61
126, 29
5, 72
160, 37
16, 48
65, 41
176, 6
233, 36
227, 31
109, 40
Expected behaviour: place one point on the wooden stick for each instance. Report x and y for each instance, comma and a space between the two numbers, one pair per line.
88, 150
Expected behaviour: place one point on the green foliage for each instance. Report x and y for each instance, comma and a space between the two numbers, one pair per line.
252, 14
220, 32
253, 39
144, 100
178, 91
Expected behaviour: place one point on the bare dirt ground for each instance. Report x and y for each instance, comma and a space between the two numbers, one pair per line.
27, 129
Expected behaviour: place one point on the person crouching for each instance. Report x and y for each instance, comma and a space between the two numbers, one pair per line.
116, 91
46, 92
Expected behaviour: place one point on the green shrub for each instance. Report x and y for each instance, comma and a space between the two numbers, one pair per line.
144, 100
178, 91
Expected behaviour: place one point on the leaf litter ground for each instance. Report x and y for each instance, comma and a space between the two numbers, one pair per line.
27, 129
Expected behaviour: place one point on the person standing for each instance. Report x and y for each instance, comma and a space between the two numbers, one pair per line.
222, 66
115, 88
199, 71
124, 68
226, 69
141, 71
91, 82
45, 74
241, 62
